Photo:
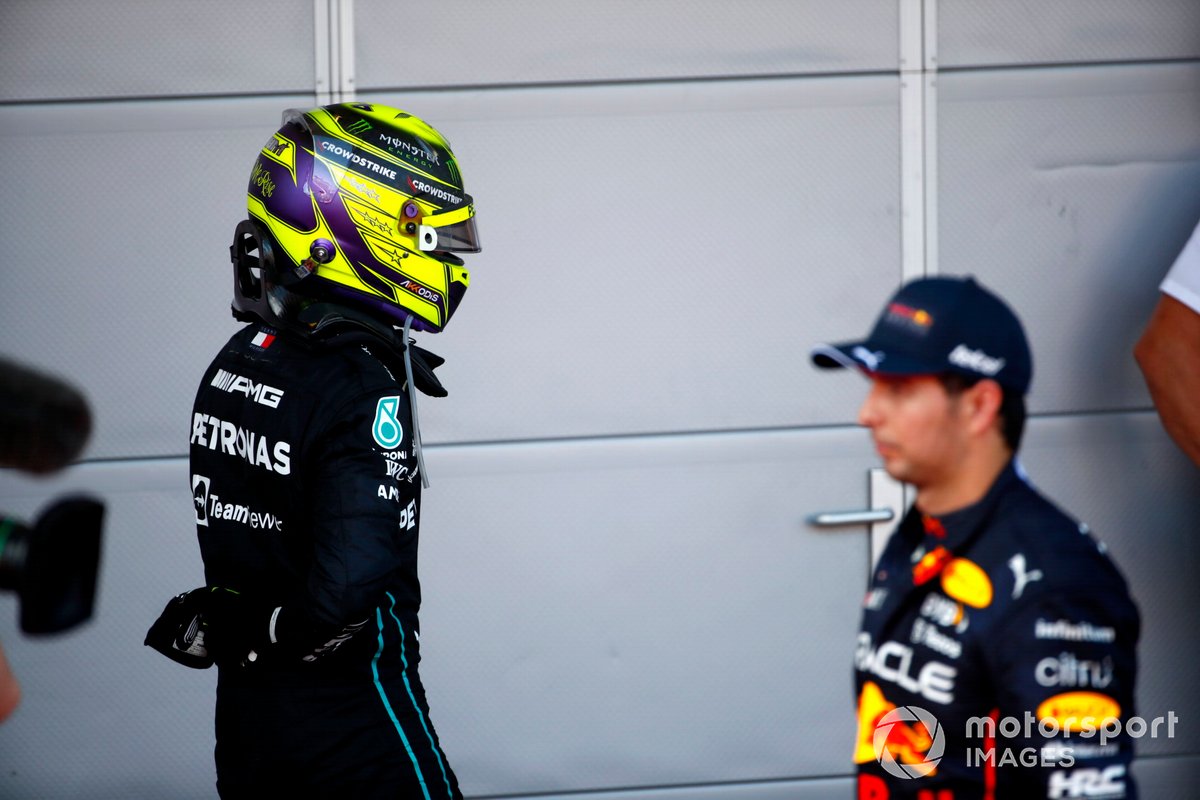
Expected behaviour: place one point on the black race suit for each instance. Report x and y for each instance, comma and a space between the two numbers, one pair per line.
307, 498
1007, 610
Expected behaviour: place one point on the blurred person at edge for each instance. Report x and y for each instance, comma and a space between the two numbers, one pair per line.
1168, 351
44, 425
306, 464
10, 689
987, 601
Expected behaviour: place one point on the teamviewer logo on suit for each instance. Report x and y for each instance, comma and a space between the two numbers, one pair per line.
913, 734
200, 498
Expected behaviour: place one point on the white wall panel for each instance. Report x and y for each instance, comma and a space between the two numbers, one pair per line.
464, 43
676, 201
76, 49
1070, 191
653, 256
660, 258
1168, 778
636, 612
642, 612
120, 218
812, 789
1159, 778
986, 32
101, 714
648, 611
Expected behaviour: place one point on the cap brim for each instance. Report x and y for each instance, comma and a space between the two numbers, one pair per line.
860, 355
836, 356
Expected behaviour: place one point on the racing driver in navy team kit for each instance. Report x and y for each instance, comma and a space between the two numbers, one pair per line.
996, 657
306, 464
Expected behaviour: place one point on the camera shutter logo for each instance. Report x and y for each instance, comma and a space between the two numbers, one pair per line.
907, 719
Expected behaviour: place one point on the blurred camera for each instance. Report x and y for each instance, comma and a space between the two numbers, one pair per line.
51, 563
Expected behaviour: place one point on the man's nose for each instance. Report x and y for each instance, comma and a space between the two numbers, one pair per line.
868, 412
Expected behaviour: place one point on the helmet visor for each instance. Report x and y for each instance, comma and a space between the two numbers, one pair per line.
456, 232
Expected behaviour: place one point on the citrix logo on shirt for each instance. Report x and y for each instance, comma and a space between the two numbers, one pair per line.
217, 434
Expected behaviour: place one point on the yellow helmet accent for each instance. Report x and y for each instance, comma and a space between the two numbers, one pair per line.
364, 204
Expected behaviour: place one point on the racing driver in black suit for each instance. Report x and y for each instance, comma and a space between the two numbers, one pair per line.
306, 466
996, 657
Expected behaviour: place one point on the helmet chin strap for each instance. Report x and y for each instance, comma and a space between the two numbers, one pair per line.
412, 402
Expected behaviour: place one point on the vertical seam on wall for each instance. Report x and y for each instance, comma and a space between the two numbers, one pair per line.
335, 58
333, 27
918, 138
345, 50
930, 82
322, 80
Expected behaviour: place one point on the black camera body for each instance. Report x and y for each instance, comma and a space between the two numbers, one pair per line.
52, 566
52, 563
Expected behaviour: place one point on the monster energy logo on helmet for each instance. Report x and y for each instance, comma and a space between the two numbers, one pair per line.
427, 153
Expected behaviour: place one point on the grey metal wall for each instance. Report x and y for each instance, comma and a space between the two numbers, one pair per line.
676, 199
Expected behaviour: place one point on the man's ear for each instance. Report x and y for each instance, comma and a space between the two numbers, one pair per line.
982, 403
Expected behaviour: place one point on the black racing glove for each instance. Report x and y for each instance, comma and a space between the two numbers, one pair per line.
238, 627
214, 624
179, 634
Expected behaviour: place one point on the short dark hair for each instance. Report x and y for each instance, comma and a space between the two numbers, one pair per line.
1012, 405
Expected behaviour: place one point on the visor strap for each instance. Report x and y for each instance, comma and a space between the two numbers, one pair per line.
451, 217
412, 404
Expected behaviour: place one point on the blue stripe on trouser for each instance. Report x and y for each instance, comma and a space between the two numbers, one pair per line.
412, 698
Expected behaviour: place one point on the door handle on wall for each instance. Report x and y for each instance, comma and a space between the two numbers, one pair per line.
888, 498
866, 516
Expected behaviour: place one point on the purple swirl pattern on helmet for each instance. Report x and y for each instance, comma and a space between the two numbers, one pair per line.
293, 182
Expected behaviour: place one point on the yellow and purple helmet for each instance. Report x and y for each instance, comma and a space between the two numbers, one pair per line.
361, 204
